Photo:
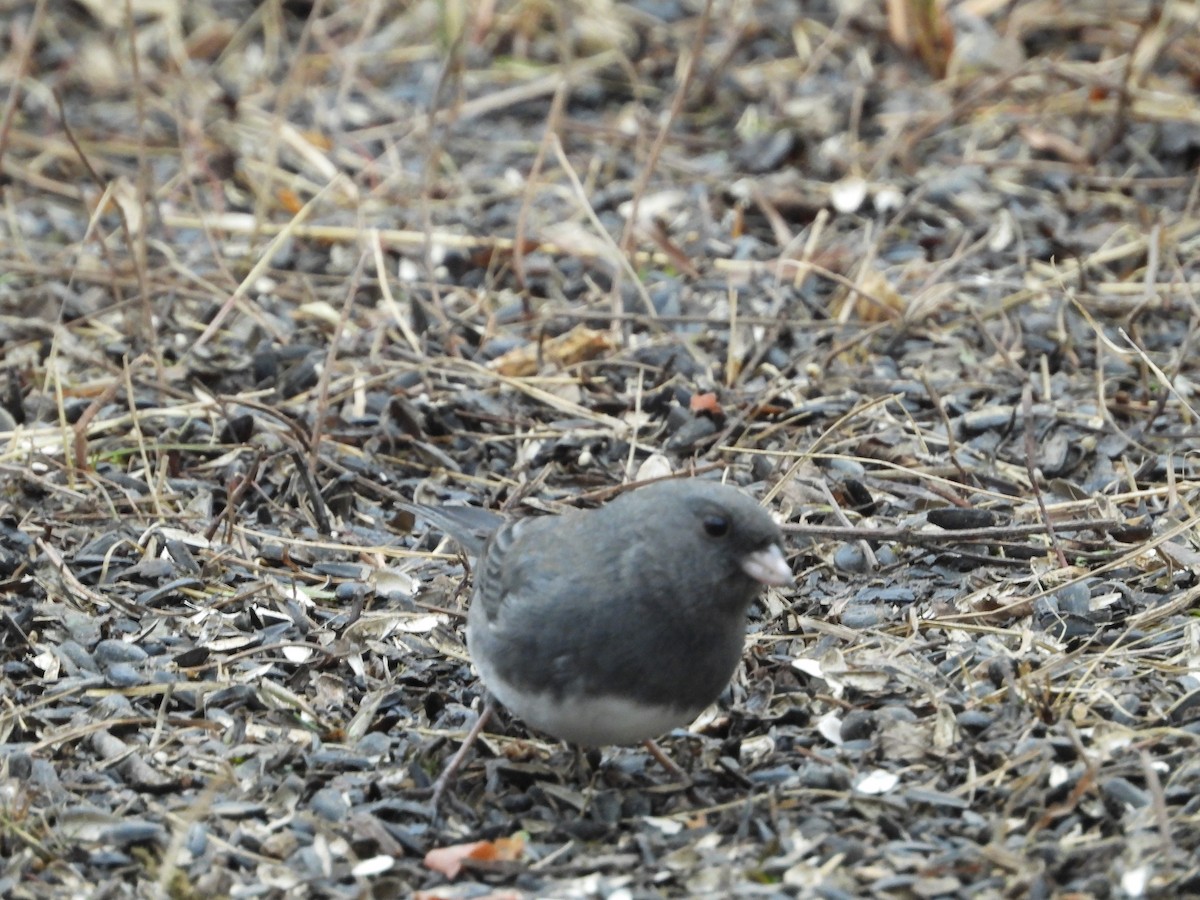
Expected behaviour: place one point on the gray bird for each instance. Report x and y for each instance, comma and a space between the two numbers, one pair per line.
617, 624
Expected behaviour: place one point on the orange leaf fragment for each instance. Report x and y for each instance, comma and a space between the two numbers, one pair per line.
449, 860
289, 200
706, 403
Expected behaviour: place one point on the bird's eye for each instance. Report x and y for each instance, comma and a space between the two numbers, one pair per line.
716, 526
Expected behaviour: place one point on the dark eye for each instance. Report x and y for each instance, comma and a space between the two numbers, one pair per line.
716, 526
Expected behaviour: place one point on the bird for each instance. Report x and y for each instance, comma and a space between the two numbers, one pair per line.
617, 624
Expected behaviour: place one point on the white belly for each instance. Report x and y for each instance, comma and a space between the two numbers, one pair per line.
594, 722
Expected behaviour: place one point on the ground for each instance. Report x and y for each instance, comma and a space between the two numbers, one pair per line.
922, 279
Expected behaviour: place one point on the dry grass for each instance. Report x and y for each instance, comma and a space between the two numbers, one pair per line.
273, 272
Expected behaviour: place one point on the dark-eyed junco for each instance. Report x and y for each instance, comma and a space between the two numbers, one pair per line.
617, 624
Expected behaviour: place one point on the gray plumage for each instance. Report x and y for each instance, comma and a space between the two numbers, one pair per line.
616, 624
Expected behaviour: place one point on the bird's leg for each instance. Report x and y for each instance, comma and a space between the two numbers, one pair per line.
448, 774
666, 762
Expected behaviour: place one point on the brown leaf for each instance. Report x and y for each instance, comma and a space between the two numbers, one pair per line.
449, 860
577, 345
923, 27
706, 404
1055, 144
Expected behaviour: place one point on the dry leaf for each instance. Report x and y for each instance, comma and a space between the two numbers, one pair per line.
706, 404
122, 194
875, 301
289, 200
1055, 144
923, 27
449, 860
577, 345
